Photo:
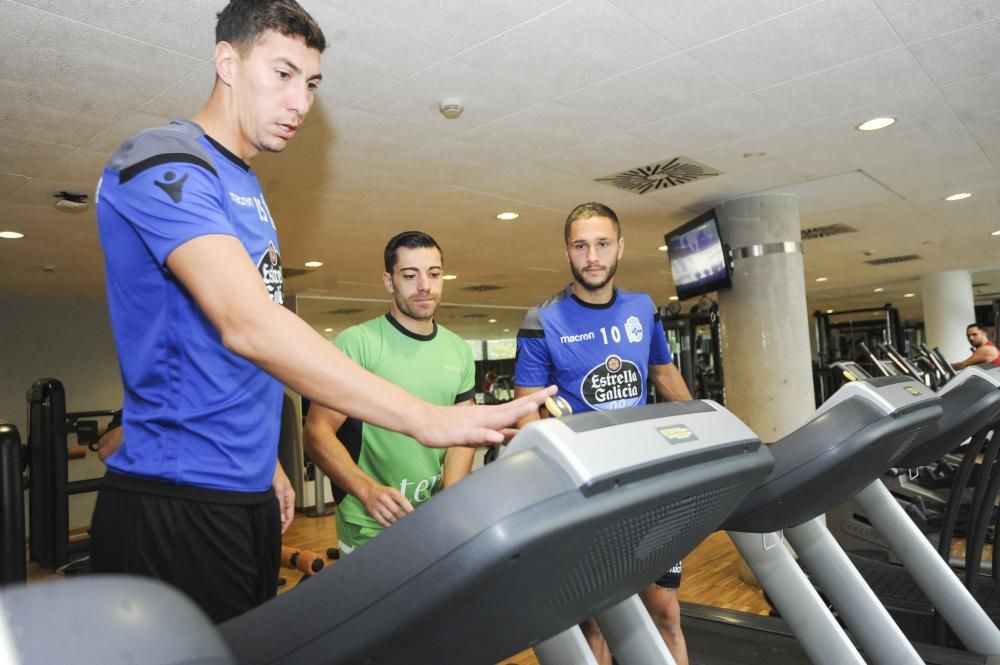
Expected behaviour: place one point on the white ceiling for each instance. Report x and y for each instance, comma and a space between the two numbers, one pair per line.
557, 94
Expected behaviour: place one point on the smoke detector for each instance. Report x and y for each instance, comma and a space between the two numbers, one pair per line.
451, 107
71, 202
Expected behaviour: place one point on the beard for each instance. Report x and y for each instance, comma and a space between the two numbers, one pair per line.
413, 312
581, 278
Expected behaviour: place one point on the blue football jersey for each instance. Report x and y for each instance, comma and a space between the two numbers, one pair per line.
598, 355
194, 412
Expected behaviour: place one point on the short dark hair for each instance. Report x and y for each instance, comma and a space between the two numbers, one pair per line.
409, 240
976, 325
243, 22
588, 210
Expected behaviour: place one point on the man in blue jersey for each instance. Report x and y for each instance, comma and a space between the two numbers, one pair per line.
194, 495
599, 344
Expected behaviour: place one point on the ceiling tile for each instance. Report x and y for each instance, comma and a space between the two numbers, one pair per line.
362, 57
799, 43
887, 75
846, 190
925, 122
9, 182
415, 100
730, 120
535, 52
948, 171
975, 96
79, 166
185, 26
688, 24
541, 129
985, 128
916, 19
85, 63
744, 157
982, 204
820, 164
962, 54
449, 25
25, 157
543, 186
368, 139
185, 97
603, 156
40, 192
449, 162
659, 90
992, 151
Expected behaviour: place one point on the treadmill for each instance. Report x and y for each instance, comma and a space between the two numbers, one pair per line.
577, 515
842, 448
865, 526
755, 639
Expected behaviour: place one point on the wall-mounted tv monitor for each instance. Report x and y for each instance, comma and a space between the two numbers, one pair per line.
699, 260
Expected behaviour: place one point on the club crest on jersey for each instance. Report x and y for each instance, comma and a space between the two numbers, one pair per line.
614, 384
633, 329
269, 268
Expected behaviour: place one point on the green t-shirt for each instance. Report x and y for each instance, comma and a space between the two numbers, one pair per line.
437, 368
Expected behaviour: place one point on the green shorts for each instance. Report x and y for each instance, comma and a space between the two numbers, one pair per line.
352, 536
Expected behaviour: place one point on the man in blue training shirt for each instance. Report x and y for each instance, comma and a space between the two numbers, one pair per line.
194, 495
599, 344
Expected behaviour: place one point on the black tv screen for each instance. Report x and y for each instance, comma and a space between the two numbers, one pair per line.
699, 259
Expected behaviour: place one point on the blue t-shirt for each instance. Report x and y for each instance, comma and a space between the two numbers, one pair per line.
598, 355
194, 413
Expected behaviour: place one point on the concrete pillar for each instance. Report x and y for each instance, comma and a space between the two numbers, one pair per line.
764, 322
948, 309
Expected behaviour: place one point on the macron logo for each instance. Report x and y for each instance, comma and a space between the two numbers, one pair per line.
570, 339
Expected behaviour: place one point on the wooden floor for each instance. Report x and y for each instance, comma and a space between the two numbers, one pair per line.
710, 574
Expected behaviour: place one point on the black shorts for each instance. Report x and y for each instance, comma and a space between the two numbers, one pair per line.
224, 553
672, 578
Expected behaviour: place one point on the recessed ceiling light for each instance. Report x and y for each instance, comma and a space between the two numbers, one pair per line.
491, 321
662, 248
327, 329
909, 295
958, 197
11, 235
822, 279
450, 277
878, 289
508, 216
829, 311
313, 264
506, 329
995, 233
673, 298
876, 123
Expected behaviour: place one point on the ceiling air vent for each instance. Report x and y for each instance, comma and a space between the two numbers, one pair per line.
293, 272
893, 259
482, 288
661, 175
345, 310
817, 232
473, 316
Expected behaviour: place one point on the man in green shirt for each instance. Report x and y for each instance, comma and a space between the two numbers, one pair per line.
379, 475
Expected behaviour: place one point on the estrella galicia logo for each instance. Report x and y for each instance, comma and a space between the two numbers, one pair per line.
614, 384
269, 268
172, 187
